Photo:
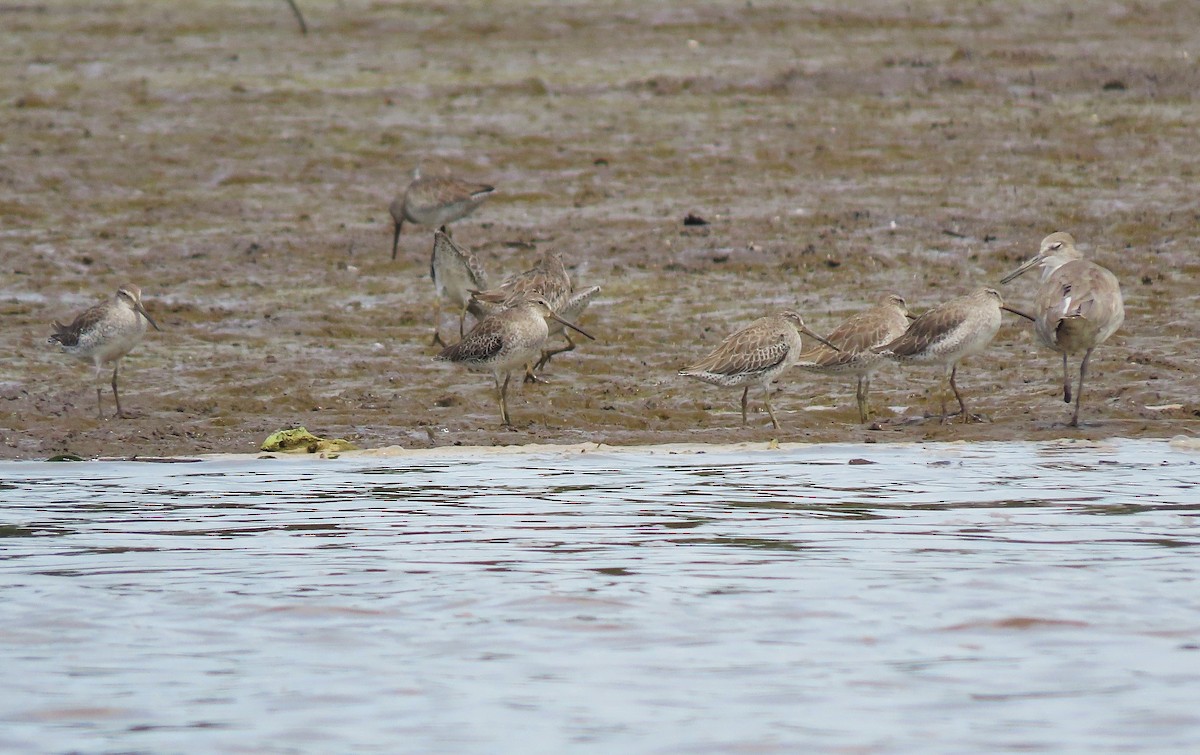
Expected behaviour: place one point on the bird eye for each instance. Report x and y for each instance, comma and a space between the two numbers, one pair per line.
1056, 245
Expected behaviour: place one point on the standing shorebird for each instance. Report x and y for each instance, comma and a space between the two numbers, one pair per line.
856, 337
105, 333
505, 341
1077, 307
456, 273
435, 201
755, 355
949, 333
547, 278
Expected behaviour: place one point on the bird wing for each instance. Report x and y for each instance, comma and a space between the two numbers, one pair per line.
926, 330
756, 348
68, 335
862, 332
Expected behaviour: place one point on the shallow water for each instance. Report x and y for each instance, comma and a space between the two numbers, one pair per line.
944, 598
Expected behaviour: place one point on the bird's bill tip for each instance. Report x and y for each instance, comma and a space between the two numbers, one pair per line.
811, 334
573, 327
142, 311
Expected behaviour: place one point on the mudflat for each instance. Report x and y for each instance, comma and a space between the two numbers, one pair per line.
239, 172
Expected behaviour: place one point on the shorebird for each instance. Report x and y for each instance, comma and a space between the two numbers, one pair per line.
949, 333
547, 278
105, 333
505, 341
755, 355
856, 337
1077, 306
456, 273
435, 201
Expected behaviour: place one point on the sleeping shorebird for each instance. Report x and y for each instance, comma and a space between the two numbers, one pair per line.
505, 341
755, 355
856, 337
1077, 307
105, 333
456, 272
435, 201
949, 333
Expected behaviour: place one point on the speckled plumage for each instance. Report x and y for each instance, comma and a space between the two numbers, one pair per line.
754, 355
949, 333
505, 341
1077, 307
857, 337
456, 272
103, 334
435, 201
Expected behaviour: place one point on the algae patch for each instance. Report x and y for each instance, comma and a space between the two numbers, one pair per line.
300, 440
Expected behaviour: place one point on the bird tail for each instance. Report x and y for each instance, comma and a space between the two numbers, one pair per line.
64, 334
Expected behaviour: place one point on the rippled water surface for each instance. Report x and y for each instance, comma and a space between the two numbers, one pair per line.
944, 598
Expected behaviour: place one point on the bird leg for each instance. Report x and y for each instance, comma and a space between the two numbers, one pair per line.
437, 317
962, 405
531, 378
745, 394
1079, 390
116, 396
767, 401
462, 318
501, 393
1066, 382
548, 354
864, 384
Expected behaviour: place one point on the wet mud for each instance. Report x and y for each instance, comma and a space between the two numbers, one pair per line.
240, 173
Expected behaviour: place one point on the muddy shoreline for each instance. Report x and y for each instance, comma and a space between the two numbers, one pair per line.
240, 173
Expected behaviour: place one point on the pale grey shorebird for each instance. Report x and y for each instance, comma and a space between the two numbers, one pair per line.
435, 201
1077, 307
856, 337
456, 273
755, 355
505, 341
104, 333
949, 333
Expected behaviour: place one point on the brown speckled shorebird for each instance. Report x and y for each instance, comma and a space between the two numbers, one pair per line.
505, 341
435, 201
456, 273
547, 278
755, 355
856, 337
105, 333
1077, 307
949, 333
